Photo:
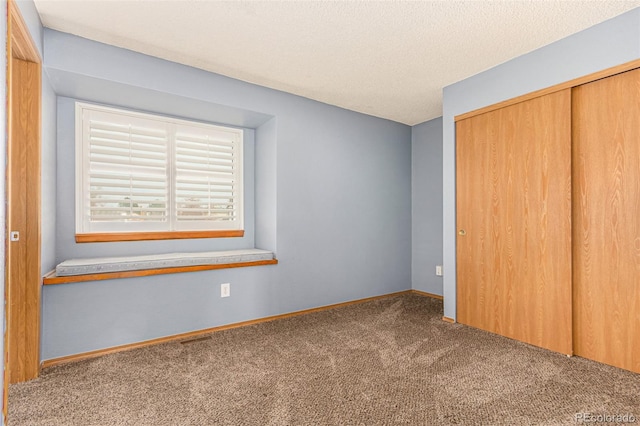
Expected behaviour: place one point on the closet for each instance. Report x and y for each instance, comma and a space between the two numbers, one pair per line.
548, 218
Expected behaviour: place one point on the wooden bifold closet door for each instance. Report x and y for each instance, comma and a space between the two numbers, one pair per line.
606, 220
514, 221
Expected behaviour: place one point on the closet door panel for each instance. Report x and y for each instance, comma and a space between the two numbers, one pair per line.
606, 197
514, 209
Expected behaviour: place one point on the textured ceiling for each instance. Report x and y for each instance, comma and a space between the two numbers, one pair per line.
389, 59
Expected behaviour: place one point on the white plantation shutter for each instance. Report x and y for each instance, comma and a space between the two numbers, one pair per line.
139, 172
127, 170
207, 176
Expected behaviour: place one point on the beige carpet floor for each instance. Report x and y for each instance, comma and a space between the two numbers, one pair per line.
386, 362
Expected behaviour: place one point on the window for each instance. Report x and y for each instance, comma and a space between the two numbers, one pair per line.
148, 174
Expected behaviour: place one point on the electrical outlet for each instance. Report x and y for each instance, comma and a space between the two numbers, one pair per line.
225, 290
439, 270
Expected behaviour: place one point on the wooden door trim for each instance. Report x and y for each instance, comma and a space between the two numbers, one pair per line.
618, 69
21, 46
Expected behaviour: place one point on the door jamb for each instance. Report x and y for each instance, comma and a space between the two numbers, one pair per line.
20, 45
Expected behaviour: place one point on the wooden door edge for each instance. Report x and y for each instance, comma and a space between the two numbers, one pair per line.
19, 45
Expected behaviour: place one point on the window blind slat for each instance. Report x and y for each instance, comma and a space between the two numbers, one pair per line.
101, 137
206, 140
206, 196
211, 171
125, 144
217, 185
208, 218
128, 156
212, 152
120, 178
140, 186
97, 160
203, 159
126, 209
125, 126
213, 203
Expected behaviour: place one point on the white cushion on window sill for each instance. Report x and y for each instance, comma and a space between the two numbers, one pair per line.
159, 261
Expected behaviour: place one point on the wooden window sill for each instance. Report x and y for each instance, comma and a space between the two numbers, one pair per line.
148, 236
51, 278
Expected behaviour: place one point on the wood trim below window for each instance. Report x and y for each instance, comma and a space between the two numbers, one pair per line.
146, 236
52, 278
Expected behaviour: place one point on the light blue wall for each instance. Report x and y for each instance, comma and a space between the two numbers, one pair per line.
266, 190
32, 19
610, 43
333, 199
48, 171
426, 205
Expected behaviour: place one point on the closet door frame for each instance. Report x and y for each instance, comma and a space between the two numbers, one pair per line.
628, 66
618, 69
